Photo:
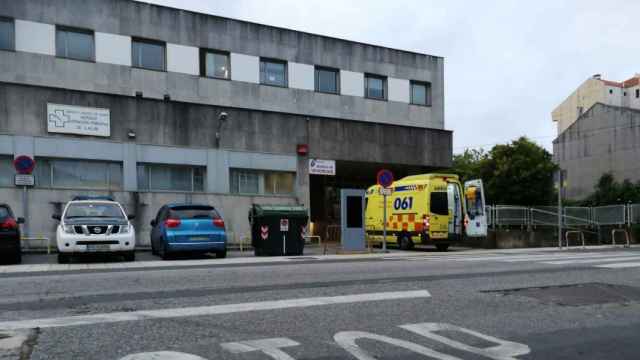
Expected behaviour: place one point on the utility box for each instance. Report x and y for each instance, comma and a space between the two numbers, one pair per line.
278, 230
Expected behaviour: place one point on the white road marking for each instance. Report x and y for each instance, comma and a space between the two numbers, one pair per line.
621, 265
593, 261
504, 350
209, 310
162, 355
270, 347
347, 340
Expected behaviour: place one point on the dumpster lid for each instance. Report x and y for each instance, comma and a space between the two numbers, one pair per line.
288, 210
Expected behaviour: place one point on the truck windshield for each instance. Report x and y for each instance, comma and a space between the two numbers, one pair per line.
194, 212
94, 210
439, 203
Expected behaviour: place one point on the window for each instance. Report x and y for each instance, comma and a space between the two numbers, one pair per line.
193, 212
278, 182
214, 64
439, 203
148, 54
245, 182
273, 72
637, 93
624, 94
160, 177
80, 174
421, 93
327, 80
375, 87
610, 91
74, 43
262, 182
6, 171
7, 34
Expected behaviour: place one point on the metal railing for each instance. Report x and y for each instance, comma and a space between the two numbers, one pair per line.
572, 216
610, 215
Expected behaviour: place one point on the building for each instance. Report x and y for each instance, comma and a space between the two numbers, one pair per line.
598, 132
127, 100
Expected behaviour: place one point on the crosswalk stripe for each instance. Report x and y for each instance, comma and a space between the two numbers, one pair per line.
590, 261
621, 265
561, 257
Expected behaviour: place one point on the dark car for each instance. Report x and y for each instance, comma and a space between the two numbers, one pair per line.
188, 228
10, 235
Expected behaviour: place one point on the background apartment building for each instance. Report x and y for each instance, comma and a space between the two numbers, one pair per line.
126, 98
598, 132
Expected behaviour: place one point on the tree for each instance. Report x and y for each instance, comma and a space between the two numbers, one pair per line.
519, 173
608, 191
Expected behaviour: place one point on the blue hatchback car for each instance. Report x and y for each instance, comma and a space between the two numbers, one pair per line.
188, 228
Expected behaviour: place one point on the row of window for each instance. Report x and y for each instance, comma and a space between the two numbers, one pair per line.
78, 44
625, 93
103, 175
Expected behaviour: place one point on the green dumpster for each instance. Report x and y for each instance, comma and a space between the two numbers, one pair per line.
278, 230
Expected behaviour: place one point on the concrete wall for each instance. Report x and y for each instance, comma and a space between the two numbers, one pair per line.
23, 113
581, 100
44, 202
185, 31
604, 139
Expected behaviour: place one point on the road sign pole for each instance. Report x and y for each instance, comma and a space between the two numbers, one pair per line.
384, 223
25, 211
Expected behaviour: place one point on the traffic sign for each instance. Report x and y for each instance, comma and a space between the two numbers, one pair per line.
385, 178
284, 225
24, 180
24, 164
386, 191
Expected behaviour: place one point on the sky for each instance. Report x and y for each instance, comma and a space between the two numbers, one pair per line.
508, 63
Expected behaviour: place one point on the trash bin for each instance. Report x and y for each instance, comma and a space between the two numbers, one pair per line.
278, 230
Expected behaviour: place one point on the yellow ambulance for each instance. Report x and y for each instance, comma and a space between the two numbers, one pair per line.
426, 209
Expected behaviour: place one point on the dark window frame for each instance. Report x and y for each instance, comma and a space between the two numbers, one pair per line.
79, 30
316, 77
203, 62
427, 86
273, 60
153, 42
13, 32
385, 86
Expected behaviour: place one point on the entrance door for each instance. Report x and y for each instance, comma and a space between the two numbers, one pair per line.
352, 219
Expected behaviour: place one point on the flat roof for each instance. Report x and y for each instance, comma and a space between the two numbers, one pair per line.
286, 29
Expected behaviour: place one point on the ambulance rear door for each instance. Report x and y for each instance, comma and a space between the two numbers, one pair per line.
476, 216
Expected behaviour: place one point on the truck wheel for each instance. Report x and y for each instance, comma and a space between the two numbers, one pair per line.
63, 258
442, 247
405, 242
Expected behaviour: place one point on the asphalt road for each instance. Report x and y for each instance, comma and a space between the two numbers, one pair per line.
465, 305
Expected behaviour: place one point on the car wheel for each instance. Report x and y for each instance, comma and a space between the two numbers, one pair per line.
164, 252
17, 259
221, 254
405, 242
130, 256
442, 247
154, 251
63, 258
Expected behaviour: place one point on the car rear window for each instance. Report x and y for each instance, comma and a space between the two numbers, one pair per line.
194, 212
4, 212
439, 203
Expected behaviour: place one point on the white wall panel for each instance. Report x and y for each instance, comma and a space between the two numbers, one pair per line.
35, 37
183, 59
113, 49
351, 83
301, 76
245, 68
398, 90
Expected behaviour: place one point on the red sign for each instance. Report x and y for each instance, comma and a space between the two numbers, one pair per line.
385, 178
24, 165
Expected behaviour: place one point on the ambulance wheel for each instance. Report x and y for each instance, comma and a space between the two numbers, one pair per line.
442, 247
405, 242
